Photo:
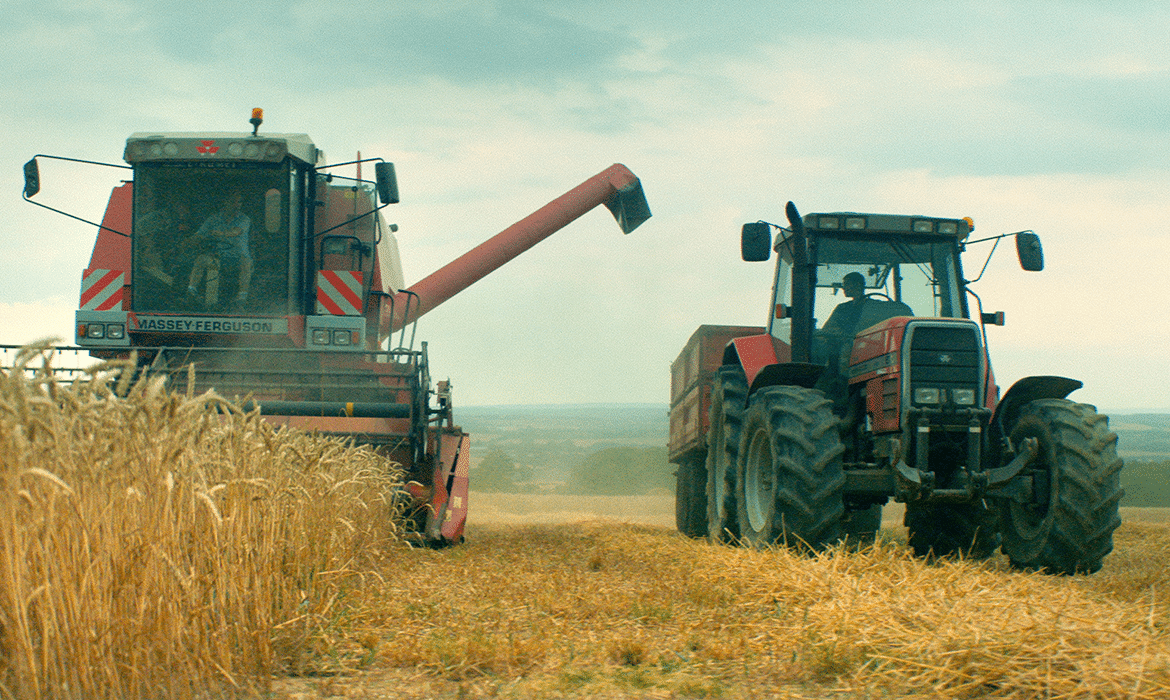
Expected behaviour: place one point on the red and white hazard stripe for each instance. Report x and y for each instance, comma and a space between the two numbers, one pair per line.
101, 290
339, 292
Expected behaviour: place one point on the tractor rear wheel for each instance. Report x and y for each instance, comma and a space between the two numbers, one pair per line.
1071, 531
728, 400
690, 496
790, 479
969, 530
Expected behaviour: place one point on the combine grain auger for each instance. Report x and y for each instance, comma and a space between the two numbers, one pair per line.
249, 256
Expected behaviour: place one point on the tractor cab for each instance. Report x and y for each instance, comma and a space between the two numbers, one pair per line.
845, 272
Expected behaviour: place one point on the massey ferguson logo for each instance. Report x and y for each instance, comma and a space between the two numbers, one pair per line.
208, 148
944, 359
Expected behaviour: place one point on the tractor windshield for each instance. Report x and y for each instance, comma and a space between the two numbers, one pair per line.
212, 238
905, 277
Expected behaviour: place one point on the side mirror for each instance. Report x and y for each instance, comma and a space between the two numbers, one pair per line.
1030, 252
32, 178
994, 318
756, 242
386, 182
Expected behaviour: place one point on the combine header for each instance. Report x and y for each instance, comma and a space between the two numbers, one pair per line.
248, 256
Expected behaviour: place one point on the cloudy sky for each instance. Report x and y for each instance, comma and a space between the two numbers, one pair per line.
1051, 116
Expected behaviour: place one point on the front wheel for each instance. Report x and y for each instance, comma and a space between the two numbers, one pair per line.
1071, 529
789, 477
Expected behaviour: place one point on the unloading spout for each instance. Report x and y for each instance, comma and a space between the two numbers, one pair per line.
615, 187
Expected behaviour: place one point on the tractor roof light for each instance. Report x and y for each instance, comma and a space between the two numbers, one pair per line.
855, 223
923, 226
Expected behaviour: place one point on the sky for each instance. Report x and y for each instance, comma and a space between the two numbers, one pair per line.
1049, 116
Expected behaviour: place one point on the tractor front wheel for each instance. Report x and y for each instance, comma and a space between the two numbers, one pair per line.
790, 479
1071, 529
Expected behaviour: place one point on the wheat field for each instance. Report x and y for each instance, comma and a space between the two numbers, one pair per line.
163, 545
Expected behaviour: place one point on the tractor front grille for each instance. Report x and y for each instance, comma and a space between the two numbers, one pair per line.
947, 357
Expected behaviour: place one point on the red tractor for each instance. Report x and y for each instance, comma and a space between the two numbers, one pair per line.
799, 432
277, 277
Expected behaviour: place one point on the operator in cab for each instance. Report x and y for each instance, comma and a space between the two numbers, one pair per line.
225, 235
844, 318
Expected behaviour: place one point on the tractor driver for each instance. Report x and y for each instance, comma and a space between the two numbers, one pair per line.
225, 233
832, 342
843, 321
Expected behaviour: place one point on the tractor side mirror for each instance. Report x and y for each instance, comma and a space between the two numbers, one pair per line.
756, 242
994, 318
32, 178
386, 182
1030, 252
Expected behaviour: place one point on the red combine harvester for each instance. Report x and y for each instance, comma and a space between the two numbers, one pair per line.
247, 256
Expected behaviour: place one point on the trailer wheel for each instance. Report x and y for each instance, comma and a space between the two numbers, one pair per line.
969, 530
1071, 531
728, 400
690, 496
790, 479
860, 527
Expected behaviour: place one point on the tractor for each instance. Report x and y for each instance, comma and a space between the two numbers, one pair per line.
798, 432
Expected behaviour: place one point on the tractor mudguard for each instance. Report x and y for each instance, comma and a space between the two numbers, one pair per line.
755, 353
788, 374
1023, 392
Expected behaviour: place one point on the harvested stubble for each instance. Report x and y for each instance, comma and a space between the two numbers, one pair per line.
166, 546
611, 610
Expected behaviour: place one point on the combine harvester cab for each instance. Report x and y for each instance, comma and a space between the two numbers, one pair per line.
247, 256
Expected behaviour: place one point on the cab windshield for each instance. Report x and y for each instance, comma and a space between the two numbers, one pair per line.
917, 277
211, 238
907, 277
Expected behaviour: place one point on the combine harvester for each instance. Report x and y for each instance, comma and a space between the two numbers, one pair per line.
247, 256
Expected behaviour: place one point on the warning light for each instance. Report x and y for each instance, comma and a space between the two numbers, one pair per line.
970, 223
257, 118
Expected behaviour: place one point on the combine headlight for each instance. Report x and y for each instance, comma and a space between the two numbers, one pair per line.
963, 397
115, 331
341, 338
95, 330
926, 394
320, 336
